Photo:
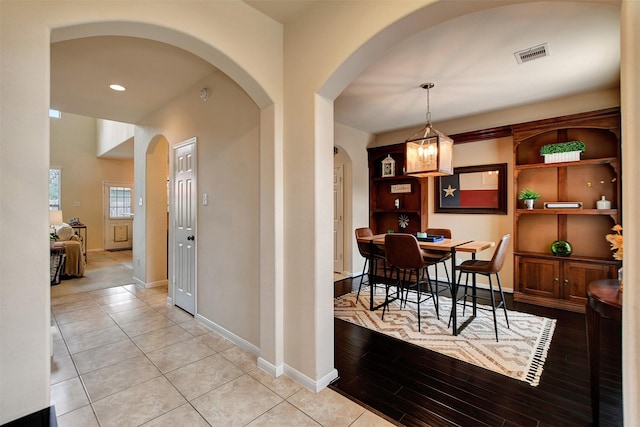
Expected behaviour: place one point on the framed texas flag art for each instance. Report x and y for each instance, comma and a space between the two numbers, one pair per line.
473, 189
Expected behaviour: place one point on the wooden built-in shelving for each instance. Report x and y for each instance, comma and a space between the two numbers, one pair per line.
540, 277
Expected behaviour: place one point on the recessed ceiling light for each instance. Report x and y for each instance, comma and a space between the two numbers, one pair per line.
118, 88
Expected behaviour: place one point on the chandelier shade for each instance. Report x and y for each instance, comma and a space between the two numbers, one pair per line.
429, 152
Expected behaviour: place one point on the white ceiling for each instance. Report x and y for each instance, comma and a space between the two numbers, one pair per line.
153, 73
470, 59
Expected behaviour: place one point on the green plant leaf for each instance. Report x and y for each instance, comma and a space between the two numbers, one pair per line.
528, 194
563, 147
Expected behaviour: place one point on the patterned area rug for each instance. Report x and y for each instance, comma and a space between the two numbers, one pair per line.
520, 353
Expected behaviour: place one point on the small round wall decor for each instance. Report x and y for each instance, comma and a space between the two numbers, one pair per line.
403, 221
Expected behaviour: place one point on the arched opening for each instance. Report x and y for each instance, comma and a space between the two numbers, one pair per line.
343, 212
257, 169
157, 212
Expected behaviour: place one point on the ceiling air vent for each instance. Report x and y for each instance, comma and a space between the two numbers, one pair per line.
532, 53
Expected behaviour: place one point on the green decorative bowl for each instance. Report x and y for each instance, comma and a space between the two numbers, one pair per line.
561, 248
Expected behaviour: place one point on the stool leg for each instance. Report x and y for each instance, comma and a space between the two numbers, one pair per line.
434, 293
446, 270
464, 297
493, 306
364, 269
418, 286
387, 285
366, 261
504, 306
454, 298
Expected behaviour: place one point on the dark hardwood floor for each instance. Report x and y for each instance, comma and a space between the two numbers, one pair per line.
414, 386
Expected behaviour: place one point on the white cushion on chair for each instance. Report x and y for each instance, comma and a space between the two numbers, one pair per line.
64, 232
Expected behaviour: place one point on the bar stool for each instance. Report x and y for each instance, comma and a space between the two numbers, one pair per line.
437, 257
404, 255
365, 251
487, 268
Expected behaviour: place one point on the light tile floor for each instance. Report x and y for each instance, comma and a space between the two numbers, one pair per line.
122, 357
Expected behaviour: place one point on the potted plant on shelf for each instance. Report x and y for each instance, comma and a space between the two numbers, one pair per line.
562, 151
52, 238
529, 196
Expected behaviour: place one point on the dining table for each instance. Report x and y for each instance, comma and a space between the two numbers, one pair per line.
445, 245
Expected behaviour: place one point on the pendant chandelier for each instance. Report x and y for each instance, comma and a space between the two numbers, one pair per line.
429, 152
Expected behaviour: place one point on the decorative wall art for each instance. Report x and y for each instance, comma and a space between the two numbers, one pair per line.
473, 189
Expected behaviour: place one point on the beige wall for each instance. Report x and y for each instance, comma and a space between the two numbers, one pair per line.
111, 134
157, 227
353, 143
228, 164
216, 31
630, 107
73, 149
323, 51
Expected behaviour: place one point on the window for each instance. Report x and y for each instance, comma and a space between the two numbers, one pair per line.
119, 202
54, 189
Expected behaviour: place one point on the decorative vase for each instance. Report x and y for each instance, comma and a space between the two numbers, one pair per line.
529, 203
561, 248
620, 278
603, 203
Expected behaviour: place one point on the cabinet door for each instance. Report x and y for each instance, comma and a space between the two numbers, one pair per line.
577, 275
538, 276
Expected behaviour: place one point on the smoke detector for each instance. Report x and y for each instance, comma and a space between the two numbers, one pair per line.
532, 53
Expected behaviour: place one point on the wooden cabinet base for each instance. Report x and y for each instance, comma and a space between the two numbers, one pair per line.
549, 302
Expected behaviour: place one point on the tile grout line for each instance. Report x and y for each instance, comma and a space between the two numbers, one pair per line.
72, 355
162, 374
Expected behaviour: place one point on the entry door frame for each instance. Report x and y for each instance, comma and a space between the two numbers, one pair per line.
338, 218
106, 216
172, 221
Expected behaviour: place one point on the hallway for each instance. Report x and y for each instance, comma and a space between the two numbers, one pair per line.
123, 357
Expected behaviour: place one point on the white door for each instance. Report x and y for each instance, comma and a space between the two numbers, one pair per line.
184, 205
117, 201
338, 220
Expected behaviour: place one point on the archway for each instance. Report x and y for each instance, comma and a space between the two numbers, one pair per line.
152, 268
157, 212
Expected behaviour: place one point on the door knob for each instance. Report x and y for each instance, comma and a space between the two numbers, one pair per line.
191, 237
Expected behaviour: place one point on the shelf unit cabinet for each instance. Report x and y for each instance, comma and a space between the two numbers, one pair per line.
540, 277
558, 283
410, 192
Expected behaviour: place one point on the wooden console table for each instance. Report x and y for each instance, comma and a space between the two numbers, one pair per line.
605, 300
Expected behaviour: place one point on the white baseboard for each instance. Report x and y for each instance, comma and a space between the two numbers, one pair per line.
144, 285
156, 284
308, 383
269, 368
240, 342
139, 282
